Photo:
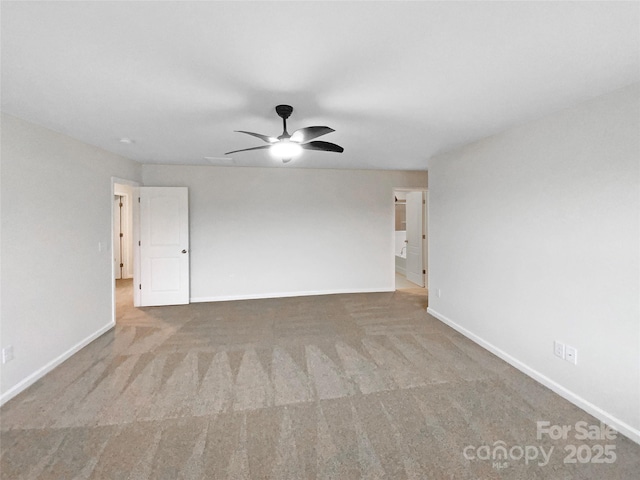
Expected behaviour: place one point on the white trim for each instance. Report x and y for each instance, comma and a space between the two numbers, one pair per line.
256, 296
619, 425
41, 372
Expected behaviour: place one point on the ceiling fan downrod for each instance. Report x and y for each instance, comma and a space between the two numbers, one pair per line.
284, 112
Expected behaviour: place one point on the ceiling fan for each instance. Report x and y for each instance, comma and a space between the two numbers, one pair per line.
287, 146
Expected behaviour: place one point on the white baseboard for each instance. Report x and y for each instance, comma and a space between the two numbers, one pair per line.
256, 296
599, 413
41, 372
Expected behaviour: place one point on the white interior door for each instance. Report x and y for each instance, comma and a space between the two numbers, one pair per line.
126, 254
164, 246
425, 239
414, 238
117, 254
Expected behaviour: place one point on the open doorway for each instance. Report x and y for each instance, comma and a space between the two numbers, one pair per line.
410, 238
123, 259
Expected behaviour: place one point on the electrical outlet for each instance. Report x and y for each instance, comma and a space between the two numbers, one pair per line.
572, 355
7, 354
558, 349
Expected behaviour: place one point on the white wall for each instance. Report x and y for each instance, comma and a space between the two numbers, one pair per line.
264, 232
56, 284
534, 238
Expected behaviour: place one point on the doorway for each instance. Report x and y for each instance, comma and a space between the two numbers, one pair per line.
122, 230
122, 242
410, 238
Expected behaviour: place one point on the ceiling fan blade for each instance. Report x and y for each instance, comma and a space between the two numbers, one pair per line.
266, 138
247, 149
309, 133
323, 146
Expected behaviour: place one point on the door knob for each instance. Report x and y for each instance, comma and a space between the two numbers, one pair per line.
184, 251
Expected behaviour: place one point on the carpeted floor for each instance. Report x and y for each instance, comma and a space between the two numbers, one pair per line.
330, 387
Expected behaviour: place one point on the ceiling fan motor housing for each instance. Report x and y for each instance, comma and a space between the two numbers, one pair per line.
284, 111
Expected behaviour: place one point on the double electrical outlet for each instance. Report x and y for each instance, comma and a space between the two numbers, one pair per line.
7, 354
565, 352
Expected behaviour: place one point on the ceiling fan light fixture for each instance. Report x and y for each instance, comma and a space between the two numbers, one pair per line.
285, 149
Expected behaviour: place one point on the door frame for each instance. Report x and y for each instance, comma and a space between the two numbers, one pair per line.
134, 239
117, 227
125, 248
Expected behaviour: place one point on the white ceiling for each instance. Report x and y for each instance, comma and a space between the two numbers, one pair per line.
398, 81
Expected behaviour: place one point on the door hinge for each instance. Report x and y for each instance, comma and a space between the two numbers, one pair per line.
424, 237
121, 205
138, 199
121, 265
424, 272
121, 235
140, 287
139, 243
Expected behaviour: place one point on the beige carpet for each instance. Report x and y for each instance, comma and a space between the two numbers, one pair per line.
331, 387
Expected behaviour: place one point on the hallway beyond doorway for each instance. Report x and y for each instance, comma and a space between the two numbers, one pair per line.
124, 297
403, 284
